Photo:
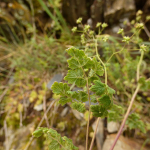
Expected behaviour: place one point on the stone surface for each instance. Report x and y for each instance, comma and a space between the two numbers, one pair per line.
38, 107
73, 9
57, 77
116, 9
122, 144
112, 127
97, 12
17, 140
64, 112
77, 114
99, 134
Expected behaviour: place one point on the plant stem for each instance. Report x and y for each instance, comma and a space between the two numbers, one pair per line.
131, 103
92, 142
116, 53
125, 118
101, 61
138, 67
91, 146
87, 131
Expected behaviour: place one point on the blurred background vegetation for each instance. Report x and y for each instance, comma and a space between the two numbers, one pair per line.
33, 37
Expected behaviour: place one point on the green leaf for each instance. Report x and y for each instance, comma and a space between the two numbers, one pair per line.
76, 53
68, 144
77, 77
99, 88
80, 96
63, 100
54, 145
98, 111
97, 68
38, 133
78, 106
53, 135
60, 88
145, 85
135, 122
105, 101
93, 98
92, 78
110, 90
75, 63
116, 113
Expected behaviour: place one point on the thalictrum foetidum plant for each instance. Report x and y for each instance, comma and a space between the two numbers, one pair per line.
89, 72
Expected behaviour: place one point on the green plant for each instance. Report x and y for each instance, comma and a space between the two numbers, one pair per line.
85, 71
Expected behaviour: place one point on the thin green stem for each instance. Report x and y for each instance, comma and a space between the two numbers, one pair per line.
121, 49
101, 61
87, 131
115, 53
138, 67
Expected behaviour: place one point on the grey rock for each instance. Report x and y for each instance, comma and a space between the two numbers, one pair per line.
112, 126
57, 77
99, 134
39, 107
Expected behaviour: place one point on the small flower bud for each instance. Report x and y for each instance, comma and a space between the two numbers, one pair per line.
140, 12
120, 31
86, 28
143, 48
147, 18
79, 20
91, 33
74, 29
104, 25
105, 38
133, 22
98, 24
126, 39
139, 26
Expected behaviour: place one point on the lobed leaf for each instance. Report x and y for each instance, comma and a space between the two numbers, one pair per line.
75, 62
63, 100
80, 96
68, 144
77, 77
145, 85
116, 113
76, 53
97, 68
134, 122
38, 133
105, 101
99, 88
98, 111
54, 145
93, 98
78, 106
60, 88
110, 90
